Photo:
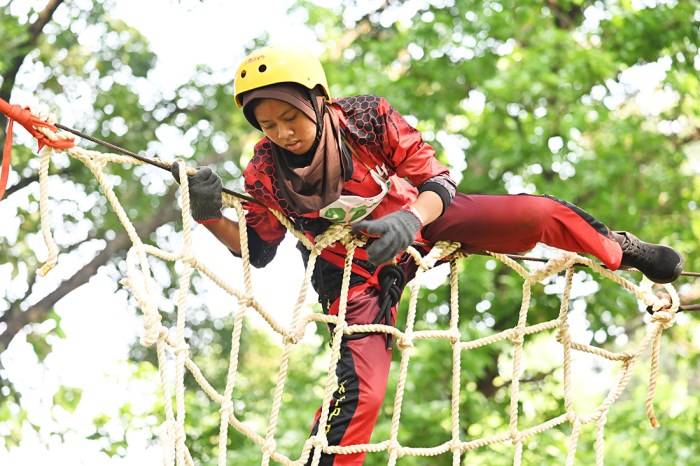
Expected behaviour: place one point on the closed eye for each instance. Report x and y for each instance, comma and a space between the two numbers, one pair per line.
288, 117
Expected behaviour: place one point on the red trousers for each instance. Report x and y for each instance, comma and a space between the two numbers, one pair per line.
515, 223
362, 373
504, 224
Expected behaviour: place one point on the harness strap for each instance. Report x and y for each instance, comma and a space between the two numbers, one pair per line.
388, 279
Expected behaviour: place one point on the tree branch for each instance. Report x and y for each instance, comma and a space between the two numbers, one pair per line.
16, 319
26, 181
35, 30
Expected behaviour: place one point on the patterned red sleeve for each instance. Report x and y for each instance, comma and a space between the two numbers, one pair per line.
412, 157
259, 184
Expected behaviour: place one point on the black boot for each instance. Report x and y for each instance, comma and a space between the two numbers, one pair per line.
661, 264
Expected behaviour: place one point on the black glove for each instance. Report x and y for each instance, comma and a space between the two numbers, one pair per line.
205, 194
395, 232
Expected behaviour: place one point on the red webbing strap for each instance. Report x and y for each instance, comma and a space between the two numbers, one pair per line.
352, 292
24, 117
339, 261
340, 250
335, 254
5, 170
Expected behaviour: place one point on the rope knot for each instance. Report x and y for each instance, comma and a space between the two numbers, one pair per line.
573, 417
455, 336
24, 117
226, 408
270, 446
563, 335
517, 437
180, 436
405, 343
246, 301
319, 441
154, 330
290, 339
189, 258
517, 339
664, 318
20, 114
394, 449
182, 349
341, 327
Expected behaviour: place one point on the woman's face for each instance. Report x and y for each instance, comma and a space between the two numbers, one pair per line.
286, 125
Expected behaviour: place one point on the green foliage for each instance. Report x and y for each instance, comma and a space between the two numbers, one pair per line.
518, 96
536, 92
67, 398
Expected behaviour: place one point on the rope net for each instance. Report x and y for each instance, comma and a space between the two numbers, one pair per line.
172, 341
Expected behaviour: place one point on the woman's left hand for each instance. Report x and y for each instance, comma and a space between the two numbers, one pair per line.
394, 232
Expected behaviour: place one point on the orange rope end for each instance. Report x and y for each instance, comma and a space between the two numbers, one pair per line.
29, 121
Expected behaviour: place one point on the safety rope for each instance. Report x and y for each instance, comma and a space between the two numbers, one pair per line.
139, 280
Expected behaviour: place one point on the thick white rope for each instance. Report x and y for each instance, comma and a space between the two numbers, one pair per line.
139, 280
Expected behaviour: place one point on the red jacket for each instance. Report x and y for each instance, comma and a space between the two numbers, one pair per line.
379, 135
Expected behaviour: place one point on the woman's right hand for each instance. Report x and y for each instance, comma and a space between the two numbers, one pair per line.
205, 194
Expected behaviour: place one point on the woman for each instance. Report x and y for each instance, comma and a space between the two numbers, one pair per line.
357, 161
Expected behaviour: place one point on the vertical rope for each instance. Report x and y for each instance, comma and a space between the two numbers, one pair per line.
456, 360
289, 343
227, 409
44, 212
518, 340
181, 347
600, 440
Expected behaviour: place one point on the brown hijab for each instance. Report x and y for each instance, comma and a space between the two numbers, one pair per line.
313, 180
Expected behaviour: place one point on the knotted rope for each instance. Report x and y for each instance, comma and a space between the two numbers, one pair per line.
139, 281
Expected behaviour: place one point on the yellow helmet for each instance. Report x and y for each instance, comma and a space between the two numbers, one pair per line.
278, 64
